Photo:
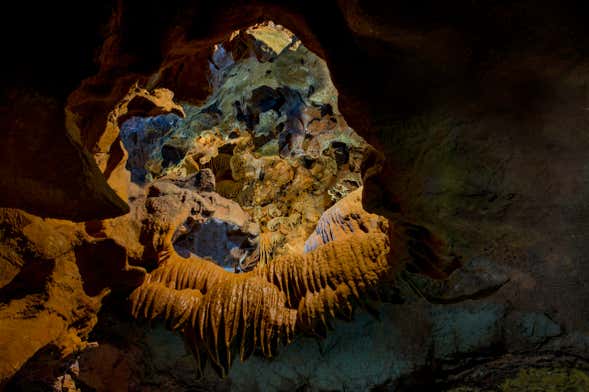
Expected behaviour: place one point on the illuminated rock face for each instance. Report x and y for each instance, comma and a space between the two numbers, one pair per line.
141, 136
52, 289
485, 139
280, 155
272, 135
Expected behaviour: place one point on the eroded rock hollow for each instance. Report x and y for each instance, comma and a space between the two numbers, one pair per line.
341, 195
254, 204
246, 222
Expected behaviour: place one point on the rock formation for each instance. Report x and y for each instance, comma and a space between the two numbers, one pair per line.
200, 139
277, 140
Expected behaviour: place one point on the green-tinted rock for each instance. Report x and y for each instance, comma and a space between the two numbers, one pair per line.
547, 380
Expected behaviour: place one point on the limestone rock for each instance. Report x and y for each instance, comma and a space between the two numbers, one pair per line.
45, 170
45, 302
485, 143
476, 279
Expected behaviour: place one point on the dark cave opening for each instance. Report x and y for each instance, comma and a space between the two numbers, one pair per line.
272, 136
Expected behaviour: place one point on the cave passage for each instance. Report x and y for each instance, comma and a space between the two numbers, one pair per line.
271, 135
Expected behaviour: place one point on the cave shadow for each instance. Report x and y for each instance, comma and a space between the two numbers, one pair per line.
103, 264
31, 279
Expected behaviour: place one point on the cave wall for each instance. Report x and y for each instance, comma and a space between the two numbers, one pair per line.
481, 110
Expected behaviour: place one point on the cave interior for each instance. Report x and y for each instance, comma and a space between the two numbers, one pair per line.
295, 195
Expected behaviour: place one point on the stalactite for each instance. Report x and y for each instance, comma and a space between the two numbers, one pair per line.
344, 218
225, 312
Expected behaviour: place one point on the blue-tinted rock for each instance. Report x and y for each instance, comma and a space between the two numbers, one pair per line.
466, 328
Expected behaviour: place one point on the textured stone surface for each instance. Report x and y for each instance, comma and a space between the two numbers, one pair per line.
479, 107
270, 132
477, 278
43, 301
408, 345
44, 169
355, 356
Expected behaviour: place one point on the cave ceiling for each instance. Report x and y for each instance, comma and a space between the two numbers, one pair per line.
249, 172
